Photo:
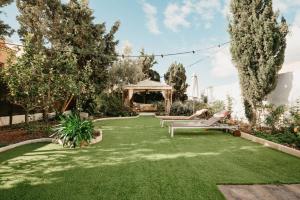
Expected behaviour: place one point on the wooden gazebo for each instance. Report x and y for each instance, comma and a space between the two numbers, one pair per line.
148, 86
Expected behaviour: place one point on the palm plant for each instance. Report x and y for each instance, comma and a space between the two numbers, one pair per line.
74, 131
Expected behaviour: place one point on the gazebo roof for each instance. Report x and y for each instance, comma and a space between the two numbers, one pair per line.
148, 85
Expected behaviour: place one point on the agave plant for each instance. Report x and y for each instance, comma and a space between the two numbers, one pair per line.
73, 131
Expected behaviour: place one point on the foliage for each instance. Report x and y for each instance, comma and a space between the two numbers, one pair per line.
186, 108
176, 77
5, 29
147, 62
295, 115
160, 108
39, 82
216, 106
179, 108
112, 105
274, 118
23, 79
123, 72
204, 98
286, 138
229, 103
258, 44
73, 131
60, 27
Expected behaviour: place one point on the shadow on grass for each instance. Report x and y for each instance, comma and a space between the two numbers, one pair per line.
141, 180
19, 151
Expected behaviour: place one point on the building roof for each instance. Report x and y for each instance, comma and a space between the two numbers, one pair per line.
148, 84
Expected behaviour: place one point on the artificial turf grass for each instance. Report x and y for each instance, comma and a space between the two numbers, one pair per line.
138, 160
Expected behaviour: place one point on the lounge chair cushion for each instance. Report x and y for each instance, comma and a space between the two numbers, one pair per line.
222, 114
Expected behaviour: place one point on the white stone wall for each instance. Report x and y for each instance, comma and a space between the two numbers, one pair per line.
17, 119
286, 92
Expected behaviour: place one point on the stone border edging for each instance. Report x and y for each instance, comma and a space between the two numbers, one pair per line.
270, 144
110, 118
98, 138
12, 146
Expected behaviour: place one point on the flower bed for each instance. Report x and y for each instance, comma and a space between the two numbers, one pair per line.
287, 139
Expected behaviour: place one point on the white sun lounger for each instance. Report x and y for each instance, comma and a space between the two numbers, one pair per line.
193, 117
212, 123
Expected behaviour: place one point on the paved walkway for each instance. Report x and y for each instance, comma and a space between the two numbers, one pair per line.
261, 192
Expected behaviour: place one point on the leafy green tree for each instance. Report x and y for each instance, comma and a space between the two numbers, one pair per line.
147, 62
58, 27
123, 72
176, 77
5, 29
23, 80
154, 75
89, 41
258, 43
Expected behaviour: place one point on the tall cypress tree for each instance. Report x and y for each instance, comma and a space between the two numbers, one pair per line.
258, 43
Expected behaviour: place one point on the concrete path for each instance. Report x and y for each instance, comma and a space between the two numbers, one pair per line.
146, 113
261, 192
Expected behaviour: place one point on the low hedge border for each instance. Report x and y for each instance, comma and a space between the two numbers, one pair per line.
270, 144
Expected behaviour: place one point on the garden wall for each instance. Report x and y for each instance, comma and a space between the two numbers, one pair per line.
17, 119
286, 92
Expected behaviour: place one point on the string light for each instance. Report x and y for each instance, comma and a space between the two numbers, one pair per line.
155, 55
205, 57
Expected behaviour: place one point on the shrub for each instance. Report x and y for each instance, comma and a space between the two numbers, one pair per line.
216, 106
73, 131
295, 116
274, 118
160, 108
282, 138
112, 105
179, 108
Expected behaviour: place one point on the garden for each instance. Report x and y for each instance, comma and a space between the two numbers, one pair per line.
131, 163
66, 130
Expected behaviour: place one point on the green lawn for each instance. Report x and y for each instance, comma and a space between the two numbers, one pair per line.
138, 160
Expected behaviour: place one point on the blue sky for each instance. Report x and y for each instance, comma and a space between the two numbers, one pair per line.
179, 25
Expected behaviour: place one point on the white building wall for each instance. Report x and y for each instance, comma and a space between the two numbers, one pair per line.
286, 92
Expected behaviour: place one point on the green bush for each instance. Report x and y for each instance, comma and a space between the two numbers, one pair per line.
112, 105
73, 131
179, 108
295, 115
186, 108
160, 108
274, 119
281, 138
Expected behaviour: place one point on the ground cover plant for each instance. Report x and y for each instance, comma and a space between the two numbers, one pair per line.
74, 131
138, 160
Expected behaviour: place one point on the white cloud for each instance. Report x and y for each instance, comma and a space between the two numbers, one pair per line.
292, 59
222, 64
284, 5
176, 16
204, 11
226, 8
207, 9
151, 13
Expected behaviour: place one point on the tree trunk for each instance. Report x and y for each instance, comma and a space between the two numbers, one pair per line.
26, 117
11, 112
45, 114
